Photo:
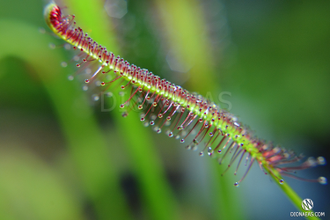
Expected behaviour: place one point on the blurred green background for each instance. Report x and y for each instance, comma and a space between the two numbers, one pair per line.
63, 157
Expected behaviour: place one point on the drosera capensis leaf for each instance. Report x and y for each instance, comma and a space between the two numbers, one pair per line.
180, 113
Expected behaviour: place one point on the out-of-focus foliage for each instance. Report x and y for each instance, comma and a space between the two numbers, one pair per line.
61, 157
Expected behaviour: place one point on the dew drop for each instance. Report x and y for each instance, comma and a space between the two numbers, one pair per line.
184, 133
102, 83
281, 181
236, 184
177, 137
67, 46
109, 94
188, 147
64, 64
76, 58
170, 134
311, 162
125, 114
322, 180
52, 46
142, 119
121, 106
182, 140
168, 118
159, 130
85, 88
42, 30
77, 65
160, 115
140, 107
98, 83
152, 123
88, 71
70, 77
210, 153
219, 151
96, 97
146, 124
194, 147
86, 80
321, 161
201, 153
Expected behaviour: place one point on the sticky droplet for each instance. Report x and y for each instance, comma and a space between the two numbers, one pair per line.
322, 180
236, 184
85, 88
96, 97
42, 30
321, 161
52, 46
98, 83
64, 64
67, 46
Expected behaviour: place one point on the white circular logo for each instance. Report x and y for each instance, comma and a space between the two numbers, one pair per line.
307, 204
